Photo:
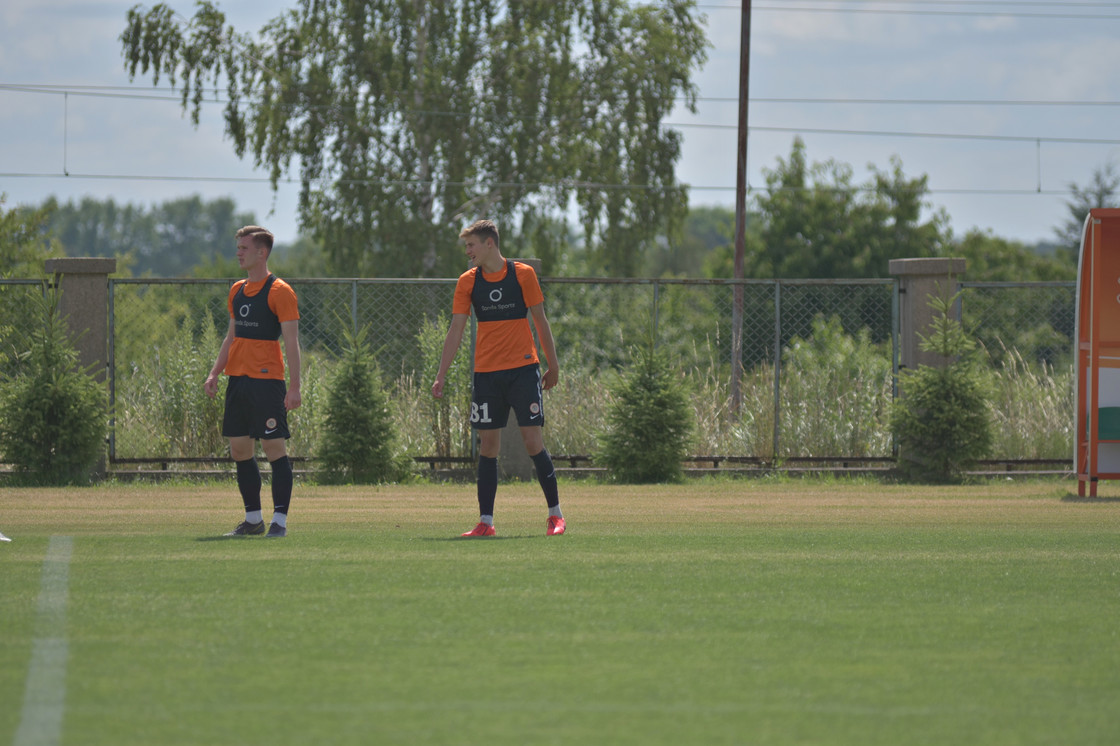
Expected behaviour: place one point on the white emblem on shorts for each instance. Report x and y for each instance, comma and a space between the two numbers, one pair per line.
270, 423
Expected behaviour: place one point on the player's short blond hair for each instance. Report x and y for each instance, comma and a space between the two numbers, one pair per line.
484, 229
260, 236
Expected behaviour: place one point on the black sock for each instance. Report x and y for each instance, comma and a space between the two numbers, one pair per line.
546, 475
249, 482
487, 484
281, 484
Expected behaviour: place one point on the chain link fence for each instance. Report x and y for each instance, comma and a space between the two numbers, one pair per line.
162, 413
1035, 319
818, 360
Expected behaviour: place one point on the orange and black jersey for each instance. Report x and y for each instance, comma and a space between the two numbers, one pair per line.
505, 339
260, 358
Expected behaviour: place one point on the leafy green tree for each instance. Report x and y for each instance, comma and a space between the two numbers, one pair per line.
993, 259
707, 231
1103, 191
303, 258
167, 240
25, 241
53, 415
1042, 336
25, 244
406, 119
941, 421
816, 223
649, 424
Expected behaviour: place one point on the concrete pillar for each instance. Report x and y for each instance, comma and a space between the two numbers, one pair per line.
84, 303
513, 460
919, 280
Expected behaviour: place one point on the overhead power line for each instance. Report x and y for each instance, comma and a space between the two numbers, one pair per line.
993, 10
170, 94
898, 133
511, 185
116, 92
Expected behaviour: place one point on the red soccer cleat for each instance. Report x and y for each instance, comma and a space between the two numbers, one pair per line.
482, 529
555, 526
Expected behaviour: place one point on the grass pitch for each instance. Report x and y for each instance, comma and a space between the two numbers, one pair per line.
709, 613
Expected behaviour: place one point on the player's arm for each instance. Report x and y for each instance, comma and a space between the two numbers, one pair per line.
290, 331
548, 345
211, 384
450, 347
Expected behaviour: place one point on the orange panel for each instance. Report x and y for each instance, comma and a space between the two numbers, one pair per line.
1107, 276
1098, 338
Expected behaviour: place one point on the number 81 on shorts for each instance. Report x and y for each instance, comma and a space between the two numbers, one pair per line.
480, 413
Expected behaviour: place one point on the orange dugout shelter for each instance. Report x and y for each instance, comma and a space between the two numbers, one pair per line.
1096, 453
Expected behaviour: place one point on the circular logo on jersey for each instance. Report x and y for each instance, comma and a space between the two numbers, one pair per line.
270, 423
244, 310
496, 295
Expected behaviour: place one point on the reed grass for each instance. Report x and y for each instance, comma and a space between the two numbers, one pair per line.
833, 401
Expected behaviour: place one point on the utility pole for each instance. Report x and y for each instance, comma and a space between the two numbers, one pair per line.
740, 212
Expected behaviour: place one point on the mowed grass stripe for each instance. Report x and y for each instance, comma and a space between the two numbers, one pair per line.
44, 699
713, 613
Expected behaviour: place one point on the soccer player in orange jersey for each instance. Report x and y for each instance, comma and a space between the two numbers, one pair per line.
503, 294
262, 309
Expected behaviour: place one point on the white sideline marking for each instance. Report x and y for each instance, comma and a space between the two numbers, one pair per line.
44, 700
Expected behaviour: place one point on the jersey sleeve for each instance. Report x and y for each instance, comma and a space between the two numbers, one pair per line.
530, 286
283, 302
463, 289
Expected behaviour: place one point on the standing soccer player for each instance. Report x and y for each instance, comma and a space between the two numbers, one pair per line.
262, 309
507, 372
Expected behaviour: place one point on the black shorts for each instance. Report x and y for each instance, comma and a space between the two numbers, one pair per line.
255, 407
496, 391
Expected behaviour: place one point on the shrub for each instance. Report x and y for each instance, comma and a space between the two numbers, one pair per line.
359, 440
649, 424
941, 421
53, 414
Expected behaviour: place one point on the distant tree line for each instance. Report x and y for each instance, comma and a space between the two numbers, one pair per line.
810, 221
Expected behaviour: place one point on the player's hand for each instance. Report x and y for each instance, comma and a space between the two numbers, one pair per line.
211, 386
437, 388
292, 399
551, 376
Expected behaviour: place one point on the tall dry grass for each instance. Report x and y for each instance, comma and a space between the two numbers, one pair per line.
835, 395
1032, 408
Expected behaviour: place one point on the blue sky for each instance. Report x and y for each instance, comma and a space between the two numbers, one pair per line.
1002, 104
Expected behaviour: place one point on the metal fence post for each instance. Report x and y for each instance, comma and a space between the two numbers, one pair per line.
354, 305
777, 365
112, 373
895, 351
